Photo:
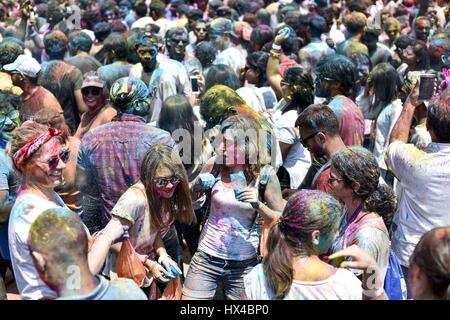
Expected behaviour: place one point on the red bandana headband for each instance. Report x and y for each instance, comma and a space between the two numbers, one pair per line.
24, 153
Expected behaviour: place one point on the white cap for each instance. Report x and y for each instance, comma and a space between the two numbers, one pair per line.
24, 64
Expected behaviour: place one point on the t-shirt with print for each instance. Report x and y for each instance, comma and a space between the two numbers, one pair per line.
63, 80
342, 285
41, 98
228, 233
85, 63
369, 233
118, 289
351, 120
424, 178
8, 182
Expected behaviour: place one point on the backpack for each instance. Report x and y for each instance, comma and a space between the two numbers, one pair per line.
394, 282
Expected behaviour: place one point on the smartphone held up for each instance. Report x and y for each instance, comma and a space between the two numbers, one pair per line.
426, 87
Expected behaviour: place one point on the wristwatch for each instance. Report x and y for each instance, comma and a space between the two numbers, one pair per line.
256, 205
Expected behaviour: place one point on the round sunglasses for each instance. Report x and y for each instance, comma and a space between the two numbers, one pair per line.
54, 161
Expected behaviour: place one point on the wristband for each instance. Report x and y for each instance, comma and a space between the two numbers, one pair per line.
276, 46
162, 257
373, 293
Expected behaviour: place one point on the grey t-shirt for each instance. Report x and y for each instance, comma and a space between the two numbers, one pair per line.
119, 289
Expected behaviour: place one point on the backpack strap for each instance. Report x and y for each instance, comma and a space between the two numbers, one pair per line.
264, 177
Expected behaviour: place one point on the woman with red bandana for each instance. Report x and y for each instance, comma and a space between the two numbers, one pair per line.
39, 155
149, 208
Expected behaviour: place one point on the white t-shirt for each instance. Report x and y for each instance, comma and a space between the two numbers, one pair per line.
298, 160
169, 78
26, 209
232, 57
385, 123
424, 177
343, 285
260, 99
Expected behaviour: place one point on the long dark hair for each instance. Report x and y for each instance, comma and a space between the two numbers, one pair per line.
179, 206
386, 83
258, 61
177, 113
305, 212
302, 88
221, 74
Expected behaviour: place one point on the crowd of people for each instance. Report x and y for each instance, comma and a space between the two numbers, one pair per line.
246, 149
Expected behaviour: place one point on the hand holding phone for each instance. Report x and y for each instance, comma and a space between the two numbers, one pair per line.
426, 87
194, 84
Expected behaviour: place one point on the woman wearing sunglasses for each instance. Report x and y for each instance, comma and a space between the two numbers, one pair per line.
150, 207
95, 97
245, 194
369, 205
39, 155
67, 190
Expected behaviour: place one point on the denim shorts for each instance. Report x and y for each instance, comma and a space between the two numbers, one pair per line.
207, 272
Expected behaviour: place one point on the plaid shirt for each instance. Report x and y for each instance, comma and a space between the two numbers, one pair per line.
111, 157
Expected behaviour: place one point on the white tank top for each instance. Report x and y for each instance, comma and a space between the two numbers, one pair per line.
230, 232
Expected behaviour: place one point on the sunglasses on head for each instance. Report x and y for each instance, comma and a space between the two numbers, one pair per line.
163, 182
63, 156
94, 91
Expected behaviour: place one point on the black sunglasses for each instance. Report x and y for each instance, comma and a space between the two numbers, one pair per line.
163, 182
303, 141
91, 91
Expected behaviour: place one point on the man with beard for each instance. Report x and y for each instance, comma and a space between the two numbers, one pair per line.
319, 129
169, 77
422, 29
9, 120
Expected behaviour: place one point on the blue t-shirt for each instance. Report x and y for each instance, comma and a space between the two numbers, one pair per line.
8, 181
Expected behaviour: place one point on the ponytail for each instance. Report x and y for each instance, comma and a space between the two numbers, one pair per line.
383, 202
277, 264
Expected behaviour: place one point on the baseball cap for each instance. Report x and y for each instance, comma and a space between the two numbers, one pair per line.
24, 64
92, 79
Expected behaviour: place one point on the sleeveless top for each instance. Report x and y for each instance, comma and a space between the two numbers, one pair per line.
232, 231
